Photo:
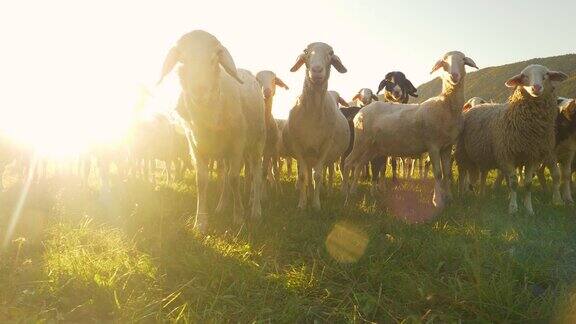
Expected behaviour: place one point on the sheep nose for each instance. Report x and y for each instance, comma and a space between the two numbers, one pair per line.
537, 88
455, 76
316, 69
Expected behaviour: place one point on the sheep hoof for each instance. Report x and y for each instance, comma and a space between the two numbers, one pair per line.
557, 201
316, 206
512, 209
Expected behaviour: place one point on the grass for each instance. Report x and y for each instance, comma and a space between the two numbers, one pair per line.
128, 255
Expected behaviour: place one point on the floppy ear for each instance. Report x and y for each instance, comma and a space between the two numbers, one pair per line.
356, 97
343, 102
515, 81
227, 63
410, 87
338, 64
557, 76
299, 61
439, 65
468, 61
171, 59
280, 83
382, 84
375, 98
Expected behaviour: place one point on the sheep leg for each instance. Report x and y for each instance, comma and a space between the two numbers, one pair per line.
376, 165
483, 176
438, 197
394, 163
256, 211
566, 175
224, 188
542, 177
463, 180
528, 179
302, 182
233, 178
555, 172
331, 172
318, 176
202, 176
509, 172
446, 160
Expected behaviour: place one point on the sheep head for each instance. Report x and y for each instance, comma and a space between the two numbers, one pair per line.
397, 87
536, 79
473, 102
366, 96
453, 66
269, 81
336, 96
567, 108
201, 55
318, 58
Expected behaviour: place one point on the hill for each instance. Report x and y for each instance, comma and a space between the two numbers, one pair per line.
488, 83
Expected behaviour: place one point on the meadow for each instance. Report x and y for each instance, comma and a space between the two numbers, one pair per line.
128, 254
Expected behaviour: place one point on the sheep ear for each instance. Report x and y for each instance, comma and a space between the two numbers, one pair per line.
343, 102
382, 84
375, 98
337, 63
170, 61
356, 97
411, 89
227, 63
280, 83
298, 64
439, 65
468, 61
515, 81
557, 76
466, 106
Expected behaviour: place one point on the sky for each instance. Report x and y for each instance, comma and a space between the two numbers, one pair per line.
79, 67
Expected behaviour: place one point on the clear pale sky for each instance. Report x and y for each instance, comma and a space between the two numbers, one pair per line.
73, 59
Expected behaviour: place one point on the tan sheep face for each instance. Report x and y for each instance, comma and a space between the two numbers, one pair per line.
567, 107
473, 102
366, 96
453, 66
536, 79
200, 56
318, 58
269, 81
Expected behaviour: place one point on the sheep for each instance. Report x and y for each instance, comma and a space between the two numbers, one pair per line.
316, 132
222, 126
336, 96
518, 133
397, 88
473, 102
392, 129
364, 97
268, 82
565, 146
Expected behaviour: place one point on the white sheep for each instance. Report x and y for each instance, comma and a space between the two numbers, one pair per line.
222, 124
316, 133
268, 82
391, 129
364, 97
518, 133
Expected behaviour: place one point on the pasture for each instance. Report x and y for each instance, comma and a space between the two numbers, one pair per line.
128, 254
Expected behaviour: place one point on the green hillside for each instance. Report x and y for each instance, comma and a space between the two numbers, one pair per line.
488, 83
